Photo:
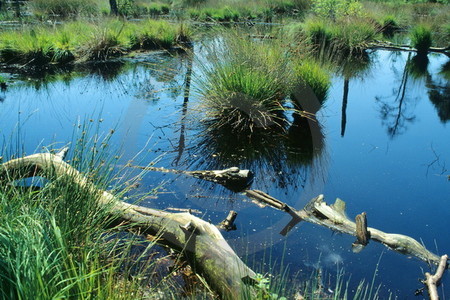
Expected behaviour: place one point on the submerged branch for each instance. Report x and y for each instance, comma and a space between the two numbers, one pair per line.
318, 212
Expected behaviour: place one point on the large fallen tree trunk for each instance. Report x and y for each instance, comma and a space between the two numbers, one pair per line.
201, 242
318, 212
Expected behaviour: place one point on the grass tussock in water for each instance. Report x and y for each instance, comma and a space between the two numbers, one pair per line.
245, 82
310, 74
87, 41
343, 37
421, 38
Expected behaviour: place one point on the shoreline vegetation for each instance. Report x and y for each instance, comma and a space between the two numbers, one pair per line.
247, 84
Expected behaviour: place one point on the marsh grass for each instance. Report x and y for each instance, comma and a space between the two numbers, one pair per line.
65, 8
310, 74
421, 38
73, 41
244, 82
341, 38
55, 242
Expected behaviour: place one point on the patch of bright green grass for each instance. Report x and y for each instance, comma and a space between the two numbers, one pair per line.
421, 38
40, 45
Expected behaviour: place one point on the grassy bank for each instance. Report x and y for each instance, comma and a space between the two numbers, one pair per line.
81, 41
54, 241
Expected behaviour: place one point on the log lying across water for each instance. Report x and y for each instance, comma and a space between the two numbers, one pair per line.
318, 212
201, 242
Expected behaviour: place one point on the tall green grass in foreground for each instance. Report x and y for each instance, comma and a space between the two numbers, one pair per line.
54, 242
87, 41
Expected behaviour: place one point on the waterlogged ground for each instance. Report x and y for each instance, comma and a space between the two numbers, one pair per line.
383, 147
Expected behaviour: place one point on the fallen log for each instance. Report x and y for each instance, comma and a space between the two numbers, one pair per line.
232, 178
318, 212
199, 241
385, 45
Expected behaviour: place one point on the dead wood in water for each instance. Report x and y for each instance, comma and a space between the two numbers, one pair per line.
318, 212
232, 178
433, 281
200, 242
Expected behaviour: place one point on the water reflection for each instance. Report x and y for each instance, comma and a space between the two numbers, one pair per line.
352, 67
396, 115
282, 156
439, 92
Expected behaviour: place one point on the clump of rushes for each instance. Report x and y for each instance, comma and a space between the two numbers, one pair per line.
54, 243
65, 8
421, 38
344, 37
151, 34
310, 75
389, 25
244, 83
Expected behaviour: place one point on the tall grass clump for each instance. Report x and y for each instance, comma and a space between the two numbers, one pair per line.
152, 34
244, 82
421, 38
81, 41
310, 75
341, 38
55, 242
65, 8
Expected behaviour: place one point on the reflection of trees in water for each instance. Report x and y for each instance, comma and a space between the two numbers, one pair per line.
187, 88
395, 115
439, 92
283, 155
352, 67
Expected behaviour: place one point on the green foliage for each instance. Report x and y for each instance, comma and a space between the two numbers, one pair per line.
87, 41
421, 38
262, 287
345, 37
311, 74
54, 243
65, 8
335, 9
389, 25
244, 83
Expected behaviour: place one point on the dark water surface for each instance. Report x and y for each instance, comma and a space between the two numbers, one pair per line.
383, 147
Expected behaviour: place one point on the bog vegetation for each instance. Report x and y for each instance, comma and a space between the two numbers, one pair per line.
247, 81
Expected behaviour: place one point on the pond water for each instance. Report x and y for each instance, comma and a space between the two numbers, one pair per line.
382, 146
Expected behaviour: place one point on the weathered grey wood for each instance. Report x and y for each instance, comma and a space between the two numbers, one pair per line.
433, 281
231, 177
362, 234
201, 242
228, 223
318, 212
